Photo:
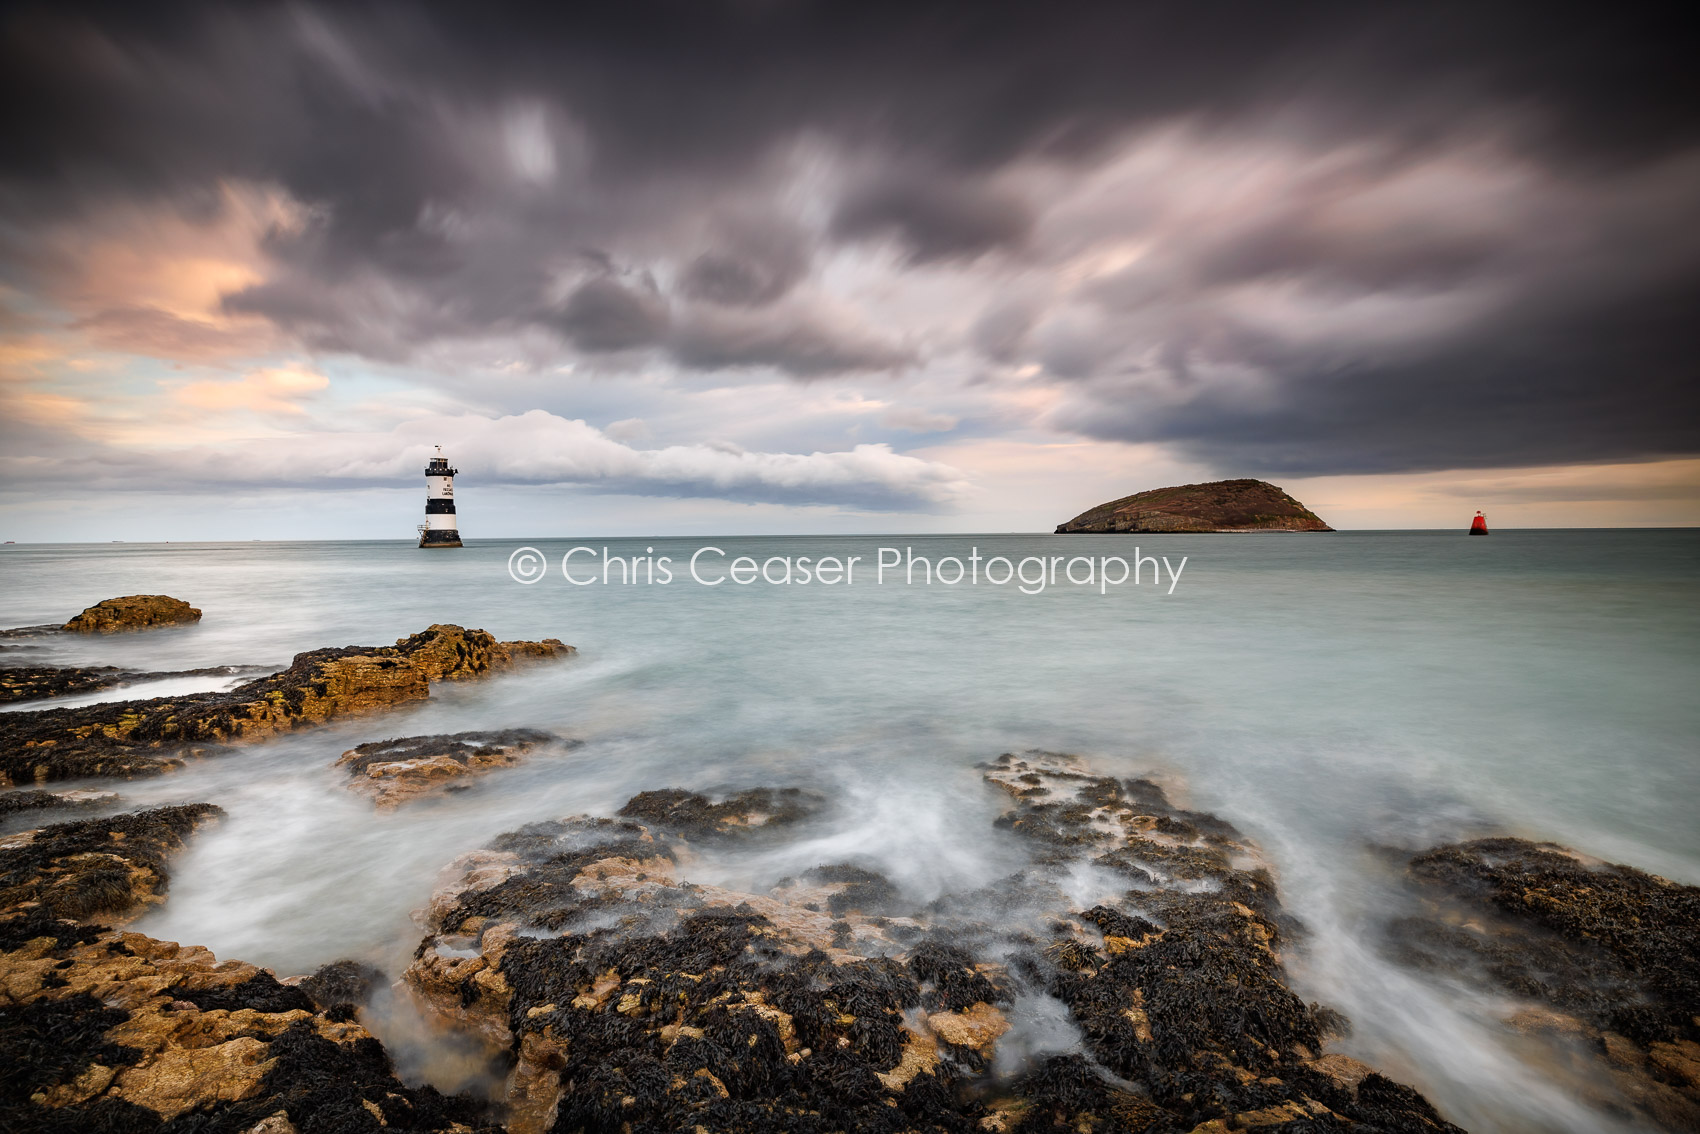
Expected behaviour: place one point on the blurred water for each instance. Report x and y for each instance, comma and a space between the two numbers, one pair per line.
1330, 694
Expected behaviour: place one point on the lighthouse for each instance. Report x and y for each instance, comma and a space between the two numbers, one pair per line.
439, 528
1478, 526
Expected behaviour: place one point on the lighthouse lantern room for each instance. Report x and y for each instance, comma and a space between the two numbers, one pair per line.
439, 528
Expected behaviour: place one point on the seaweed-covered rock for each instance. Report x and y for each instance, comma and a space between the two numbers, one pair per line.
665, 1004
1177, 985
695, 816
342, 982
33, 683
97, 867
22, 806
629, 998
132, 612
104, 1030
1601, 954
30, 683
395, 771
131, 738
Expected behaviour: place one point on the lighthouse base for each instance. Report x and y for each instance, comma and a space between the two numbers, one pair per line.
439, 537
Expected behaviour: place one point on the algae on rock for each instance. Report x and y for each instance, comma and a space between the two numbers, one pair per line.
628, 997
132, 612
394, 772
1601, 956
130, 738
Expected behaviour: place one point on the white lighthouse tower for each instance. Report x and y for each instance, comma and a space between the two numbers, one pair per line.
439, 528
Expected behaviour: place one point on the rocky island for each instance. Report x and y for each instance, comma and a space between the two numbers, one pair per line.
1216, 506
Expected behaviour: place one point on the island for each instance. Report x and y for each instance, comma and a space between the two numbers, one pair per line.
1216, 506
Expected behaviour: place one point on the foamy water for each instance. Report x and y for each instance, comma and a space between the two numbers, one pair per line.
1330, 694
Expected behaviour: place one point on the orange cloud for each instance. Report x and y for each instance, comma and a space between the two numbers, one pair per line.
149, 280
275, 390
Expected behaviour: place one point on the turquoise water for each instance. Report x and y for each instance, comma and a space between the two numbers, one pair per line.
1331, 694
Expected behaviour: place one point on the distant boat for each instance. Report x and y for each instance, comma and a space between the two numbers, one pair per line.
1478, 526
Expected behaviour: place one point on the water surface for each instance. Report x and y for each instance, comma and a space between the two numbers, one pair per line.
1331, 694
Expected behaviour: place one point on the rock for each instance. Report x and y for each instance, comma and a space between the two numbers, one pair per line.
179, 1079
132, 612
1600, 953
106, 1030
342, 982
395, 771
629, 998
45, 630
103, 1030
274, 1124
16, 805
1162, 981
1217, 506
694, 816
450, 653
31, 683
97, 867
977, 1026
132, 738
1534, 1020
1342, 1070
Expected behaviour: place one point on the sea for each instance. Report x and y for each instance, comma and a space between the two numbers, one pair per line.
1342, 698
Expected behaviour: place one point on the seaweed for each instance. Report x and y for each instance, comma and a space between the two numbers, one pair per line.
342, 982
459, 746
694, 816
98, 866
50, 1042
262, 992
1606, 941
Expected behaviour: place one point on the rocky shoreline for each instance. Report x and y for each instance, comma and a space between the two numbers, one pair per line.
615, 993
621, 996
828, 1003
43, 682
138, 738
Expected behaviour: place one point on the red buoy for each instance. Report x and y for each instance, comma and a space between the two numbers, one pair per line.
1478, 526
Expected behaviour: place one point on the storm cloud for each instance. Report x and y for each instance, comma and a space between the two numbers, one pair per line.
1298, 239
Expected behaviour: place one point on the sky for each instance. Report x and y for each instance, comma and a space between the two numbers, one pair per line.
774, 266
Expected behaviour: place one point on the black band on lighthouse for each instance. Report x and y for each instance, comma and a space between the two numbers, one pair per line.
439, 507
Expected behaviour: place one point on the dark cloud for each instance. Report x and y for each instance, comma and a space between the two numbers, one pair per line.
453, 162
605, 315
1536, 386
762, 259
157, 94
801, 345
724, 277
935, 220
